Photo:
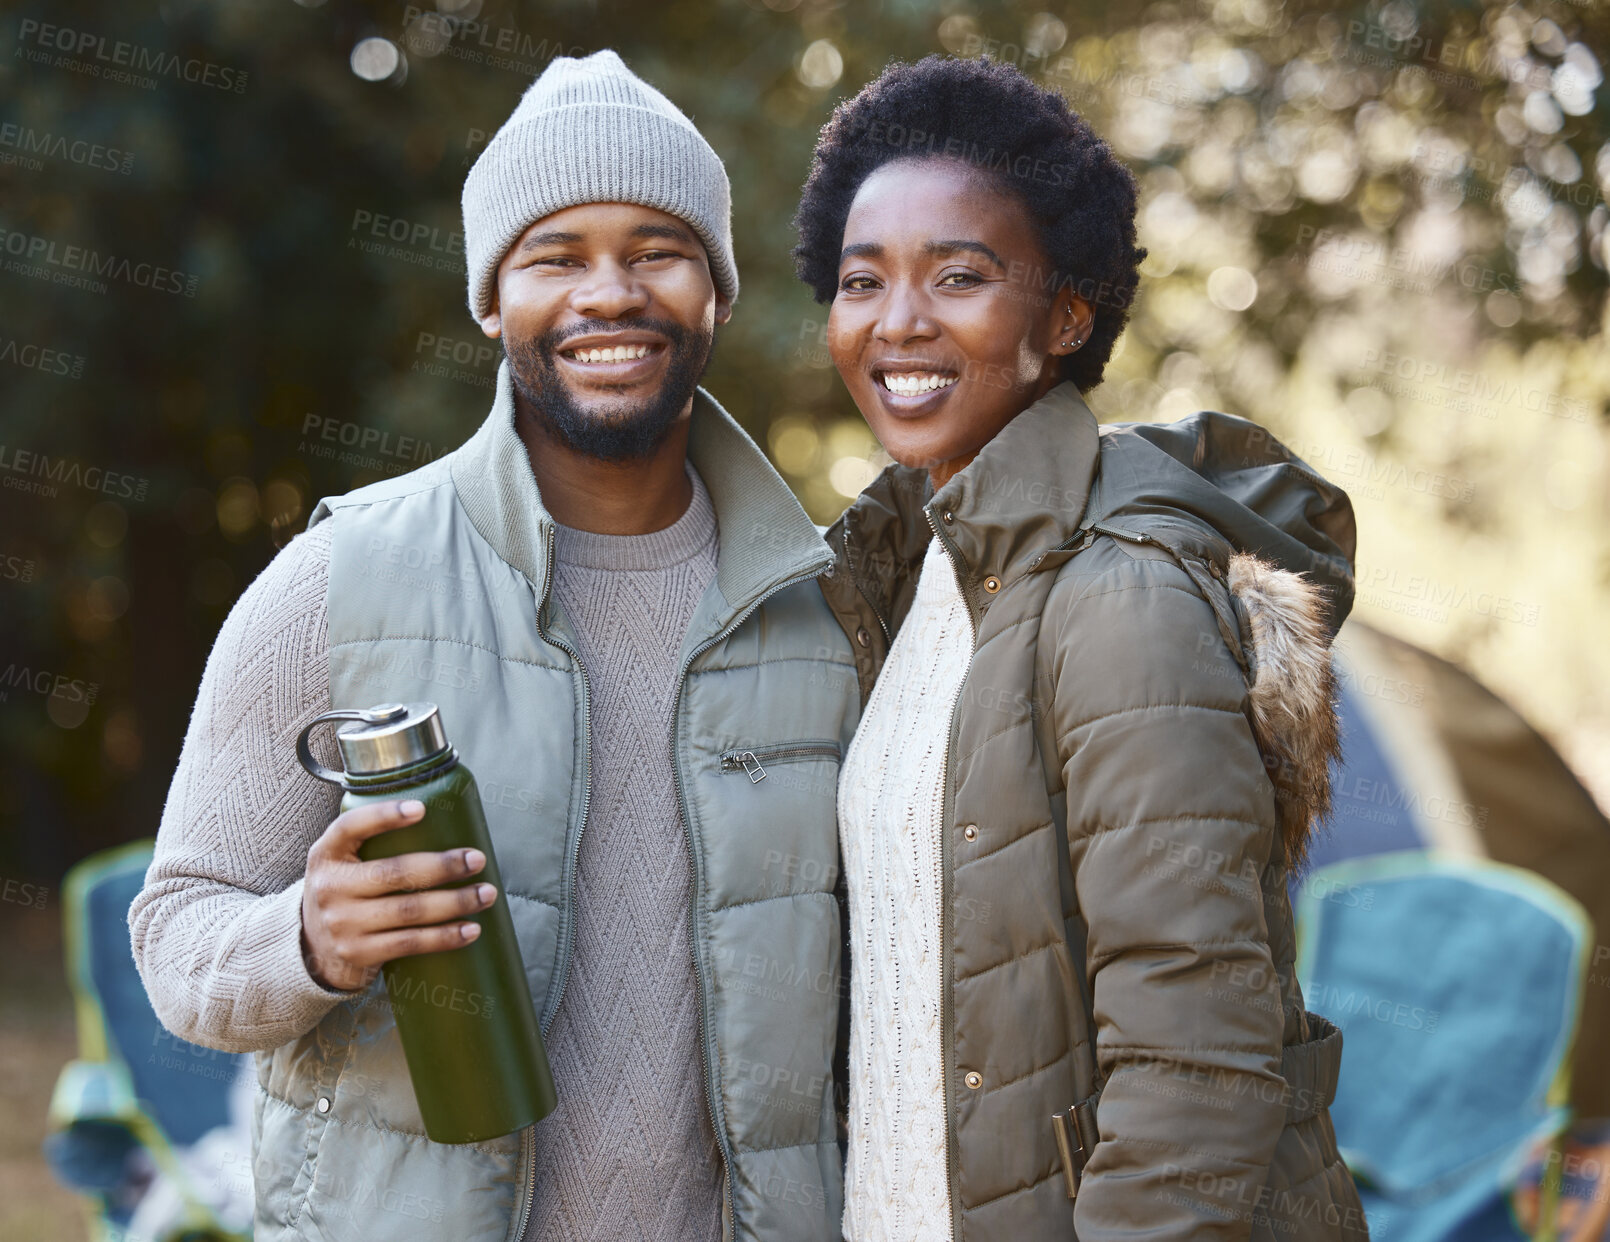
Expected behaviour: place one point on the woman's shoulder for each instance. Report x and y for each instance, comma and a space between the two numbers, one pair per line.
1124, 570
1122, 606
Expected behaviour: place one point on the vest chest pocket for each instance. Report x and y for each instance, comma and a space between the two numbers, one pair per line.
754, 761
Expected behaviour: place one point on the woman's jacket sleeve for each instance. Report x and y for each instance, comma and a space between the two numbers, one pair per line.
1171, 821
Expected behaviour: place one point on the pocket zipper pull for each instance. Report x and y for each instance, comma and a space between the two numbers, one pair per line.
751, 765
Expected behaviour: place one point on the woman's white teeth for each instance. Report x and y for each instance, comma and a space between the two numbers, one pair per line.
917, 381
620, 353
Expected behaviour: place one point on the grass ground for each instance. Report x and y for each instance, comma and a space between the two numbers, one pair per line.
36, 1038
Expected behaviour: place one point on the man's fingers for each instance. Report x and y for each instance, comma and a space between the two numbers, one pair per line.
351, 829
390, 945
405, 873
388, 914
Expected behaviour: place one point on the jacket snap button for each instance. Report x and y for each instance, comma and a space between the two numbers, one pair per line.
862, 637
970, 832
949, 516
992, 584
324, 1104
974, 1079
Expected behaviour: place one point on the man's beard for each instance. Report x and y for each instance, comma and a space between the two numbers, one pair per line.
630, 429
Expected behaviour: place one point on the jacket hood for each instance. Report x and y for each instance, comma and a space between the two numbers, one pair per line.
1212, 485
1223, 489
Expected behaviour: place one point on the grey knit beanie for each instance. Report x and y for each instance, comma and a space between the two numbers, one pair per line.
592, 131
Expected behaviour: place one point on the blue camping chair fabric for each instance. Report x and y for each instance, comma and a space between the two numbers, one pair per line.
1457, 983
1433, 760
135, 1096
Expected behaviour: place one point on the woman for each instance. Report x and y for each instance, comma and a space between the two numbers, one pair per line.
1101, 720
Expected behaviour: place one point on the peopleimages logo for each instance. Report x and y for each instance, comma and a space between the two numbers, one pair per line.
120, 61
408, 241
28, 471
47, 684
430, 33
83, 267
1427, 377
39, 358
32, 142
1337, 1003
1424, 596
23, 894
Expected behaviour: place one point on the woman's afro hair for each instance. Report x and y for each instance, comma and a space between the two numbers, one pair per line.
987, 114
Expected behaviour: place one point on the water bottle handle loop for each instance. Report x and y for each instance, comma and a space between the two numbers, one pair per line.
305, 755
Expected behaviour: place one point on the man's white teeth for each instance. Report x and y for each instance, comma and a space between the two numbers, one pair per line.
620, 353
912, 383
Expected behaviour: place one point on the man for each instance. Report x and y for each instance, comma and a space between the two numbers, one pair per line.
609, 592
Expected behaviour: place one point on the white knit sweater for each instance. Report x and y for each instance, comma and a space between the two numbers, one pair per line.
891, 803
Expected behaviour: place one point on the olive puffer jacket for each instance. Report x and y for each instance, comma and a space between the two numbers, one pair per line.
1136, 757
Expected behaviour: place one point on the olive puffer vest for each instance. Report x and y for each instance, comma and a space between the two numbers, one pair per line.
439, 590
1134, 760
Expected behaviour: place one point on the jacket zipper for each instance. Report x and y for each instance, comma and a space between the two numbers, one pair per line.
753, 761
849, 560
1118, 532
569, 881
947, 1032
695, 924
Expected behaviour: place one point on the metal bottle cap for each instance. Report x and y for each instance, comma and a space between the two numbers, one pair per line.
379, 739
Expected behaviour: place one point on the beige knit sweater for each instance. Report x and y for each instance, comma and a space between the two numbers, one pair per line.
891, 808
217, 927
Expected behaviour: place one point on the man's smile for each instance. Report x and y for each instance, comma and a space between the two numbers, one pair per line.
614, 358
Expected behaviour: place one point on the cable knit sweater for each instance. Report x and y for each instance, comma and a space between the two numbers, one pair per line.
216, 930
891, 803
629, 1151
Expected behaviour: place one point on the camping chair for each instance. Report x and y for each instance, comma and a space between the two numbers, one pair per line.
1457, 983
136, 1098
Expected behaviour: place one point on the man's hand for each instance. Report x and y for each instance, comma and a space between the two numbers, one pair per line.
358, 915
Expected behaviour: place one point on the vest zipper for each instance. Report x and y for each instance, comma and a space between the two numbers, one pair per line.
528, 1146
695, 924
568, 882
569, 879
752, 761
947, 1030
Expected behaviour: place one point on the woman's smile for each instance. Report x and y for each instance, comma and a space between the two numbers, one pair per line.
912, 388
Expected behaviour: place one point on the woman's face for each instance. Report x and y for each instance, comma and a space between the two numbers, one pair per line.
948, 321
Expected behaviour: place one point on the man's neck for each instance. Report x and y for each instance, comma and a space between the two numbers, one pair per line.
634, 497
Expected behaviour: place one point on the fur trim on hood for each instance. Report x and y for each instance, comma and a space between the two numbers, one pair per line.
1292, 697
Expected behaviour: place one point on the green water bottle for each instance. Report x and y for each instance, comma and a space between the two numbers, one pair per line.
465, 1018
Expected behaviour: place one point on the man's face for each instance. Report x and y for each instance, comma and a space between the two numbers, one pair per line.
607, 313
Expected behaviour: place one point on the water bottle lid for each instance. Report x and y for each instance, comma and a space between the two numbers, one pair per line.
391, 736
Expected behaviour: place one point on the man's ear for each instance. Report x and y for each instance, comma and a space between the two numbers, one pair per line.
723, 309
492, 321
